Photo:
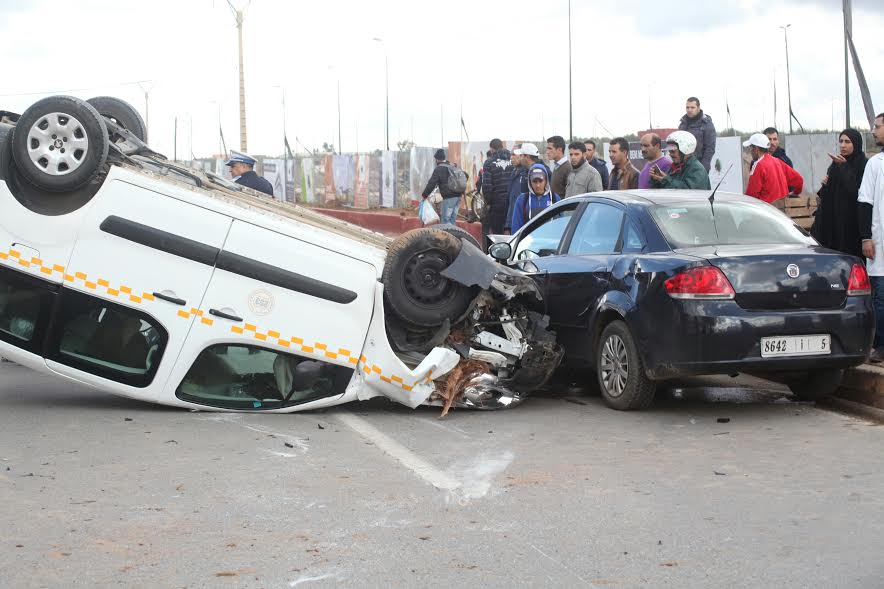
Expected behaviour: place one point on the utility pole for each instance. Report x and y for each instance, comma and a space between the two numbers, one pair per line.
243, 141
340, 141
175, 136
570, 93
285, 154
788, 75
146, 107
387, 92
848, 28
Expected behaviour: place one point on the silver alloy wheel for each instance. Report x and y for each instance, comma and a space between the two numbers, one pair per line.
614, 366
57, 144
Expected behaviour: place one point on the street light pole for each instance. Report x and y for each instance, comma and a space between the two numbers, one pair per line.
285, 155
788, 75
243, 141
387, 92
570, 93
848, 27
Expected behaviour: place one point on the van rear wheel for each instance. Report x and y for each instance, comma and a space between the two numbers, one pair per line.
59, 143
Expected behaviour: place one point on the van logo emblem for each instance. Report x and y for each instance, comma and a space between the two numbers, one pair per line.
261, 302
793, 270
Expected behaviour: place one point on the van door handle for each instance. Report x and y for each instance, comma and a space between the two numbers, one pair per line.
170, 298
224, 315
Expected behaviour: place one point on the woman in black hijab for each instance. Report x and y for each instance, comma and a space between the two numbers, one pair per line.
835, 225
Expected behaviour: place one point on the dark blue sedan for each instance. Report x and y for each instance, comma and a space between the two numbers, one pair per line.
649, 285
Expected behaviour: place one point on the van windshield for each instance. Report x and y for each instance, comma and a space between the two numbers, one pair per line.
690, 224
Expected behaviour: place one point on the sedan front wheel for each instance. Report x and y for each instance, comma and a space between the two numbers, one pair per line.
620, 370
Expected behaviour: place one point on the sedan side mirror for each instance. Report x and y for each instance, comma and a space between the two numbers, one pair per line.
501, 251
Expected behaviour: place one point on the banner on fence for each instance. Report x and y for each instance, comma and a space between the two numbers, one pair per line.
363, 169
388, 179
307, 180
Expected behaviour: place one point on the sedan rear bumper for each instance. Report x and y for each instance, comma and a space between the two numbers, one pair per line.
718, 337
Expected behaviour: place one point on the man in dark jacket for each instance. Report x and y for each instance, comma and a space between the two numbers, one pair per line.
439, 178
701, 127
242, 170
596, 163
775, 149
495, 188
561, 167
518, 183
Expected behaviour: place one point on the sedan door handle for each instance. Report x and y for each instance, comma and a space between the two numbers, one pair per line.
224, 315
170, 298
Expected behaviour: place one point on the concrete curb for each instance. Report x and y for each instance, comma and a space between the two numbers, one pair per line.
862, 391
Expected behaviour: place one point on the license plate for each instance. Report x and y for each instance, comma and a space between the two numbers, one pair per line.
796, 345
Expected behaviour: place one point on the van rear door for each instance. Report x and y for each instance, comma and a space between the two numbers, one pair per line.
132, 289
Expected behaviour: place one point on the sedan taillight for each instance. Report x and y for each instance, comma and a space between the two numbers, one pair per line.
705, 282
859, 282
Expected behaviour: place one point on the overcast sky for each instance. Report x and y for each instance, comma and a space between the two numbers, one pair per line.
505, 64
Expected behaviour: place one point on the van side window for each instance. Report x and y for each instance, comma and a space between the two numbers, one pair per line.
107, 339
245, 377
25, 306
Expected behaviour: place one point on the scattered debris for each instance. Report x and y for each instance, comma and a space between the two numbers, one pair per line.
721, 474
669, 564
721, 434
423, 538
171, 441
180, 487
457, 379
287, 445
319, 426
575, 401
127, 419
724, 420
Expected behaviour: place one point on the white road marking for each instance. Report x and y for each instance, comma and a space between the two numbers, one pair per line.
406, 457
236, 419
300, 580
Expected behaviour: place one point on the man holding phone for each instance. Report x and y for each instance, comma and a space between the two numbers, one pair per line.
652, 151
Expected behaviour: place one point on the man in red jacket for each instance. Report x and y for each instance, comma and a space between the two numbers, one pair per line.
767, 181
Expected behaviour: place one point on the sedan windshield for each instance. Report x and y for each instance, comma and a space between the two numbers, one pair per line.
690, 224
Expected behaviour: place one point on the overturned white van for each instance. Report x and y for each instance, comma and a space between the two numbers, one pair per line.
134, 275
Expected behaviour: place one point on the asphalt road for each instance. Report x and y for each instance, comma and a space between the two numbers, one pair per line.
101, 491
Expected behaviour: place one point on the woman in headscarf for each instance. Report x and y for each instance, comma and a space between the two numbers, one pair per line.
835, 225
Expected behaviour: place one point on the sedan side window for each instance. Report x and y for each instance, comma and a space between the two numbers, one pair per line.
544, 239
598, 230
633, 240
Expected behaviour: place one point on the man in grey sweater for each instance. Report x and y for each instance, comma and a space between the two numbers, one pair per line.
583, 177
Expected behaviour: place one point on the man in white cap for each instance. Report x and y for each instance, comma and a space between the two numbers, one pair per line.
529, 155
242, 169
767, 181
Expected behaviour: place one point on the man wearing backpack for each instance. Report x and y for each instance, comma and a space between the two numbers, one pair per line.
538, 197
495, 188
452, 183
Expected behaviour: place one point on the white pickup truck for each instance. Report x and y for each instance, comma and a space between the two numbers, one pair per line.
143, 278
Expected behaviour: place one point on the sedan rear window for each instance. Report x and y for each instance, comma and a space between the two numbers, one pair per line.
691, 224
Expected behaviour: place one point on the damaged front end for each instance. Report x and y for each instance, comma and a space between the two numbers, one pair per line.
504, 345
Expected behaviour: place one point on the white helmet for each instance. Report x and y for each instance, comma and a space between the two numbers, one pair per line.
685, 141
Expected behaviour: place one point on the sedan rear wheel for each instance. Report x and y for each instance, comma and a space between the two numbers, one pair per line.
816, 385
620, 371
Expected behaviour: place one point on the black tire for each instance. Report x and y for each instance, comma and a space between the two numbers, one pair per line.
623, 383
5, 149
122, 113
414, 288
816, 385
76, 123
458, 232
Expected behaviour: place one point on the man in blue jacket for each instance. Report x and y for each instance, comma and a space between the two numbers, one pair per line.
539, 197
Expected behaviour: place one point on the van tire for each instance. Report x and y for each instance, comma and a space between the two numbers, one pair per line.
414, 289
72, 127
122, 113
